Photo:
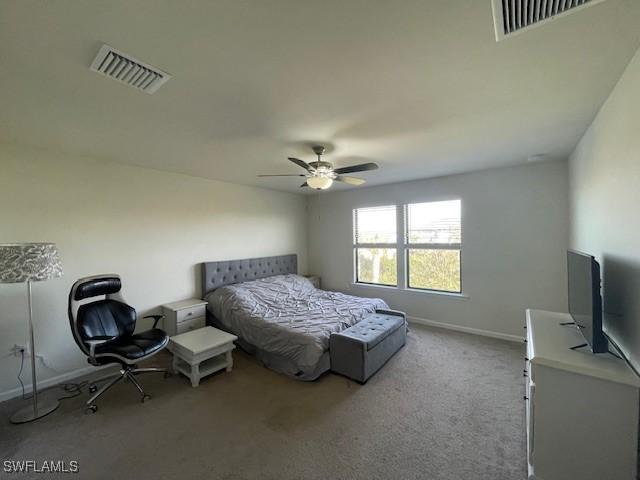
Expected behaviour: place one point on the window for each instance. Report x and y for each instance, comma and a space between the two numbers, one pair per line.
375, 240
433, 242
430, 249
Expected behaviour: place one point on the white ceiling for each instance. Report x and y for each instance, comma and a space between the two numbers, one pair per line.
420, 87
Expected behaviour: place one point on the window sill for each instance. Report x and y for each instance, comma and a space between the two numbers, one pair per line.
411, 290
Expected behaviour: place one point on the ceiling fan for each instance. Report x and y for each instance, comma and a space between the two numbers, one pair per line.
320, 174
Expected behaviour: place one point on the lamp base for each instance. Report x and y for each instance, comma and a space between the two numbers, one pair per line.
27, 414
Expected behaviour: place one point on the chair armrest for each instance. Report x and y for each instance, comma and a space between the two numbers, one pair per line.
156, 319
93, 343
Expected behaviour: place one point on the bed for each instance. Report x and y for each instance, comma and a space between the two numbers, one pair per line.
278, 315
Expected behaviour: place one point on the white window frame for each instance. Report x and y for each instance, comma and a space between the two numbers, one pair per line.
403, 246
393, 245
428, 246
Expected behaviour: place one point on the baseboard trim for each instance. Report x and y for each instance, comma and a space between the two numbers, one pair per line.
460, 328
50, 382
64, 377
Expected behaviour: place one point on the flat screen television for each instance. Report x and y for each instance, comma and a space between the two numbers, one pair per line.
585, 300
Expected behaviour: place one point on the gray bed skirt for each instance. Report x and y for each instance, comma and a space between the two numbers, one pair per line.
276, 362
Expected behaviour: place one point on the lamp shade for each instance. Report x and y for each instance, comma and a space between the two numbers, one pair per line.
22, 262
319, 182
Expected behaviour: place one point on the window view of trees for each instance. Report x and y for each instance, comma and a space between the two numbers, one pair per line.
434, 235
376, 238
435, 270
433, 242
377, 265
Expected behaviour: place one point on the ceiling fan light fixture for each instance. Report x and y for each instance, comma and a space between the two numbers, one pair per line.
320, 183
320, 174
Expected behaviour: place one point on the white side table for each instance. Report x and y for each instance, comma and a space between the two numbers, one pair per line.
202, 352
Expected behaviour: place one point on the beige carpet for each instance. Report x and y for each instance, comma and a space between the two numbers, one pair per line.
447, 406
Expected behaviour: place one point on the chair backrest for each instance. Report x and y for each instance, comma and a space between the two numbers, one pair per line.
107, 316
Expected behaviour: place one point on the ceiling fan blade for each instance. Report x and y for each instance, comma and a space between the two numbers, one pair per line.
350, 180
363, 167
301, 163
285, 175
305, 184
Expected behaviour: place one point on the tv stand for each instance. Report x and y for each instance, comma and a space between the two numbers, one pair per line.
581, 409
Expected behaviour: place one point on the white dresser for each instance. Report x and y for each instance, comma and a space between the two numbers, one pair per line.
581, 409
183, 316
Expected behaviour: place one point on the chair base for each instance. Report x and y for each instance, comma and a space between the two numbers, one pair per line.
127, 372
29, 414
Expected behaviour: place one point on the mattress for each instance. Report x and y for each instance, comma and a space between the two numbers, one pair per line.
287, 320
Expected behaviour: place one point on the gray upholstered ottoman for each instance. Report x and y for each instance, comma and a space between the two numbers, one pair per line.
361, 350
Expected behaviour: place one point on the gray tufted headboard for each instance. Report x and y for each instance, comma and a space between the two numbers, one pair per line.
219, 274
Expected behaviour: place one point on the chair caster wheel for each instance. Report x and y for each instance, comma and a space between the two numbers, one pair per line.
91, 409
93, 389
145, 398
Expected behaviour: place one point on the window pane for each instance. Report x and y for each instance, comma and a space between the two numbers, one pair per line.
377, 265
434, 222
435, 269
375, 225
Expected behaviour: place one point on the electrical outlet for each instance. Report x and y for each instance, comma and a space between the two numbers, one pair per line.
18, 350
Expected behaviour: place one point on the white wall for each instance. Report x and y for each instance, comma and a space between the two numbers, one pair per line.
605, 206
515, 233
151, 227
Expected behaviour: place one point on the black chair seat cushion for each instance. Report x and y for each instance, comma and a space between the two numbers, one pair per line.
133, 346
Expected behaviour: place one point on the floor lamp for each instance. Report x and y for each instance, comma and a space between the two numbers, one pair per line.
30, 262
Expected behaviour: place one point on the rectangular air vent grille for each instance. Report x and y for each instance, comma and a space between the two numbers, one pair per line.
512, 16
128, 70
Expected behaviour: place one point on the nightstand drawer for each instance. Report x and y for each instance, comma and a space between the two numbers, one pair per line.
192, 324
184, 315
190, 313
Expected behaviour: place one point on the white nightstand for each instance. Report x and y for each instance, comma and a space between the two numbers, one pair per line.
314, 279
201, 353
183, 316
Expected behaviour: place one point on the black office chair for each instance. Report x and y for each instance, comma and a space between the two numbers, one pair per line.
103, 329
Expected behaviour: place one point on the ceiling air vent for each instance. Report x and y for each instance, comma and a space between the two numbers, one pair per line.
514, 16
128, 70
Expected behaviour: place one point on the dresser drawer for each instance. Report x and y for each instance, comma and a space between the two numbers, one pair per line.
192, 324
190, 313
